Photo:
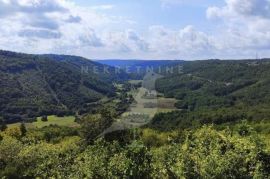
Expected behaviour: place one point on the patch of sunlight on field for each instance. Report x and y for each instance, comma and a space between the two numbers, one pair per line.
68, 121
61, 121
28, 125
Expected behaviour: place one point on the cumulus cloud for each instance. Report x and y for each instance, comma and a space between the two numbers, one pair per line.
74, 19
60, 26
245, 25
89, 38
51, 26
103, 7
134, 38
126, 41
32, 13
29, 6
186, 43
39, 33
248, 8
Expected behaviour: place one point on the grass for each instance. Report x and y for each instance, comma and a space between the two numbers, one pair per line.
163, 104
135, 82
68, 121
138, 109
118, 86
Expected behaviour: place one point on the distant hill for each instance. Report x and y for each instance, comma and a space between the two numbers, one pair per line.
138, 68
143, 63
35, 85
216, 91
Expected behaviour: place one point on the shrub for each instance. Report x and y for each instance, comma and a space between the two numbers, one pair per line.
44, 118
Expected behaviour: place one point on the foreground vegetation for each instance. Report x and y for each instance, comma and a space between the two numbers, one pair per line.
60, 152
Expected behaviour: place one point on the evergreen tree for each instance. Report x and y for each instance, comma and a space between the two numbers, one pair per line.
23, 129
3, 125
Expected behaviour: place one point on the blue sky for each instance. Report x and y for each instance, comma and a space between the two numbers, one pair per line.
137, 29
174, 15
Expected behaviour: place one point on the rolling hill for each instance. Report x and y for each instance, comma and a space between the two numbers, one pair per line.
216, 91
35, 85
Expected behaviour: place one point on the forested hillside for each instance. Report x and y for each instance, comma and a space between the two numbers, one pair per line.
35, 85
217, 91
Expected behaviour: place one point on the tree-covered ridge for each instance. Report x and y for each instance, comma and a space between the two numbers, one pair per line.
217, 92
35, 85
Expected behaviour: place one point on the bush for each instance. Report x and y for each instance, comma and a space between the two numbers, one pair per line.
207, 153
44, 118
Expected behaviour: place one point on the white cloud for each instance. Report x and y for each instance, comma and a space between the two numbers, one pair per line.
53, 26
246, 26
236, 8
185, 43
60, 26
103, 7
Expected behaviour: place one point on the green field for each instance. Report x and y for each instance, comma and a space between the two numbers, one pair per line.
163, 104
68, 121
135, 82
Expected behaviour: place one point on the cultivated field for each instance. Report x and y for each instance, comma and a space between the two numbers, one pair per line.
52, 120
142, 111
160, 104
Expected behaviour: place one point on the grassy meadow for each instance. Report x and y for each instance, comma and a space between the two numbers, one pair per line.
68, 121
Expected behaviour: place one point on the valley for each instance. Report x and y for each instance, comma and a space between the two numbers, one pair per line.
139, 114
126, 89
146, 125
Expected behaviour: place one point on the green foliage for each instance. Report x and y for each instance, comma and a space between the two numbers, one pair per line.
52, 134
204, 153
153, 138
105, 160
125, 100
9, 149
93, 161
23, 129
244, 129
173, 145
207, 153
238, 88
36, 85
46, 160
94, 125
22, 157
3, 125
14, 132
44, 118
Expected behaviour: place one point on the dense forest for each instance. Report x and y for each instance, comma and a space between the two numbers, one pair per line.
36, 85
216, 91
